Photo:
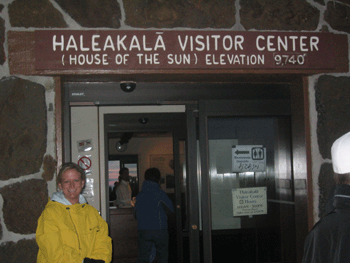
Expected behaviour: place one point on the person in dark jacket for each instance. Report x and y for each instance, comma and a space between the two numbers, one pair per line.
152, 220
329, 240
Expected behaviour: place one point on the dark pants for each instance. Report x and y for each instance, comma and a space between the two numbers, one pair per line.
146, 239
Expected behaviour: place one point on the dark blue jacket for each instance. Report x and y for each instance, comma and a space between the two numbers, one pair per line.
149, 209
329, 240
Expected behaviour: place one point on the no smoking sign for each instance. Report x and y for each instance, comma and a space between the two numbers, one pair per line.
85, 162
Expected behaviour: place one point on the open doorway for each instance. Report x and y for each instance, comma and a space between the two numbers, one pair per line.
149, 146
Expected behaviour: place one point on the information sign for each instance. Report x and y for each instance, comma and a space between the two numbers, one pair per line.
175, 49
248, 158
249, 201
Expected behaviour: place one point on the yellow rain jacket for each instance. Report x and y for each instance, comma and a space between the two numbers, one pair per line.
69, 233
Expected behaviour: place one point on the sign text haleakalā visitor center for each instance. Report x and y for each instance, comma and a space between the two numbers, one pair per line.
114, 49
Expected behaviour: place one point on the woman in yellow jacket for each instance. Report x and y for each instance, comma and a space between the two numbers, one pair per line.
69, 230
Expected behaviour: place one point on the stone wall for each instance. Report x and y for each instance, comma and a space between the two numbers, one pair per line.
27, 139
26, 165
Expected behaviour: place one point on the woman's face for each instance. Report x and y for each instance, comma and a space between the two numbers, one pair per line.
71, 185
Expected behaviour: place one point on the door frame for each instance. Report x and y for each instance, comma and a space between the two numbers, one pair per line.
103, 134
301, 148
164, 119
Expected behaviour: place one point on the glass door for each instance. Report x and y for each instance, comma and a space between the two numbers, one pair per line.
247, 183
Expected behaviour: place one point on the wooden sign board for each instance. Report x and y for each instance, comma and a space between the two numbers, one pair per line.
185, 50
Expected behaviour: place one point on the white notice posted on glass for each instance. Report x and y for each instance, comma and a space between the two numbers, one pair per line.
248, 158
249, 201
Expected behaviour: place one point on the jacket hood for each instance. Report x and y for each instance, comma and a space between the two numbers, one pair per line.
342, 190
342, 196
59, 197
149, 186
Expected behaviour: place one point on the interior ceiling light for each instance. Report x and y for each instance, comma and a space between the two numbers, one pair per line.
143, 120
122, 145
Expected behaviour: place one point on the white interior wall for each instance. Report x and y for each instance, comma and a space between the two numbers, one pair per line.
144, 148
84, 128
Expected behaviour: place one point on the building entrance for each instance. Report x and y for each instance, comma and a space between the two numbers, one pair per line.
239, 164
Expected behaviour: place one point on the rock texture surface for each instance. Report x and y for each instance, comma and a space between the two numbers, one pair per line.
326, 184
332, 105
2, 41
23, 132
23, 204
21, 251
35, 13
92, 13
279, 15
49, 166
338, 16
183, 13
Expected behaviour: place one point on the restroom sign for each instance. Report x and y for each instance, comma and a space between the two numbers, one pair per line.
248, 158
